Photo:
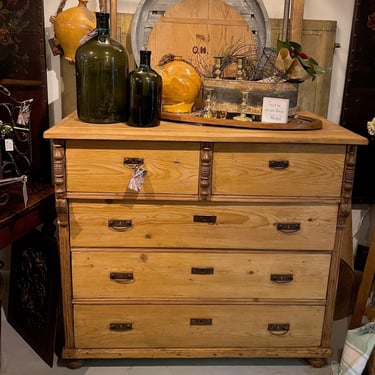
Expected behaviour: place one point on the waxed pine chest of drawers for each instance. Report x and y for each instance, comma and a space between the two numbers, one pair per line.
230, 248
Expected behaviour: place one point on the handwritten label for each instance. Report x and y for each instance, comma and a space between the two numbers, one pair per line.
9, 146
275, 110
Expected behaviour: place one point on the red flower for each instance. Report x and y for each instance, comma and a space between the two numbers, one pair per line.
303, 55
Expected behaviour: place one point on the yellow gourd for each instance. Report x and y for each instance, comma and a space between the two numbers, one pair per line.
181, 84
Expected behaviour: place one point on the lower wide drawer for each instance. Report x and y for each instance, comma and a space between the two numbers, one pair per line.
179, 326
184, 274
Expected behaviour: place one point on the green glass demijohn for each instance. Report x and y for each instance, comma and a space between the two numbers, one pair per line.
144, 94
102, 68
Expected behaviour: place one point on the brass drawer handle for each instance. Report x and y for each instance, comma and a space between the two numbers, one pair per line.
288, 227
278, 329
281, 278
209, 219
201, 322
122, 277
133, 162
120, 225
278, 164
120, 327
202, 270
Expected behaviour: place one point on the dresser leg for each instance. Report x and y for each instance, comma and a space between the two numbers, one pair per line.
72, 364
316, 362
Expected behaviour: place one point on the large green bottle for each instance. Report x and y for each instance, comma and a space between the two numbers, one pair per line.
144, 94
102, 68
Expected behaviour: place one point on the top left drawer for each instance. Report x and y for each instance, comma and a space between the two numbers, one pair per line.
107, 166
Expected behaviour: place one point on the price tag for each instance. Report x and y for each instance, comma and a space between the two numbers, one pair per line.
275, 110
9, 146
137, 179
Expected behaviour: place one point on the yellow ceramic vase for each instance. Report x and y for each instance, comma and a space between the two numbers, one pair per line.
71, 26
181, 84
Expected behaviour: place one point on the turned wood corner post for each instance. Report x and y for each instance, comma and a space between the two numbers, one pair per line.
205, 171
344, 210
64, 244
59, 180
347, 186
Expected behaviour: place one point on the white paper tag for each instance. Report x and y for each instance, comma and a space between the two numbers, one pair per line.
137, 179
9, 146
275, 110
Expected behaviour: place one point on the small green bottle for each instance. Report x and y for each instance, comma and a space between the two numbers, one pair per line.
102, 68
144, 94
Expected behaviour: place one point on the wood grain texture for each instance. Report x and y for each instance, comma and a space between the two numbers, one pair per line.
172, 225
253, 222
171, 275
296, 18
230, 327
201, 30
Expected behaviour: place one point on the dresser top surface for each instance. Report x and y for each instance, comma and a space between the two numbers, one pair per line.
71, 128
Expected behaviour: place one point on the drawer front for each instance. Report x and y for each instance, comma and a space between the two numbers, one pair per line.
278, 170
98, 167
205, 225
115, 274
141, 326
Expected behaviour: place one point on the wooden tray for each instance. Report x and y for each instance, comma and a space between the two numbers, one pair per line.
297, 123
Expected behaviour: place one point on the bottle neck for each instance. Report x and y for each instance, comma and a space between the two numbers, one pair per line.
145, 58
102, 24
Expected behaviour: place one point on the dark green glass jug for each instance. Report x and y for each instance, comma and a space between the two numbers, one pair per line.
144, 94
102, 68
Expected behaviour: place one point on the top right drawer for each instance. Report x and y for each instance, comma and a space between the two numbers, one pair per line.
279, 170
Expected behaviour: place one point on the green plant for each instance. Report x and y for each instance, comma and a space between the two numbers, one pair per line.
296, 52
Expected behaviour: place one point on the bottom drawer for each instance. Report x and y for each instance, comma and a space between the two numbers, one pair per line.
184, 326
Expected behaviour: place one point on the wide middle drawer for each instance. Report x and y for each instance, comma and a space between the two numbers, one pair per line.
208, 275
205, 225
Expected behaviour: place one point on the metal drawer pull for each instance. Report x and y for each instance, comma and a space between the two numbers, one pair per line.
288, 227
202, 270
133, 162
201, 322
210, 219
120, 225
120, 327
278, 329
281, 278
278, 164
122, 277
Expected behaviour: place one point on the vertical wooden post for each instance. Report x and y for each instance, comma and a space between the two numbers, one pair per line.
113, 13
285, 33
296, 18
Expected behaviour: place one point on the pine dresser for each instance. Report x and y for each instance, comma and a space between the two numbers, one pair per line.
230, 248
